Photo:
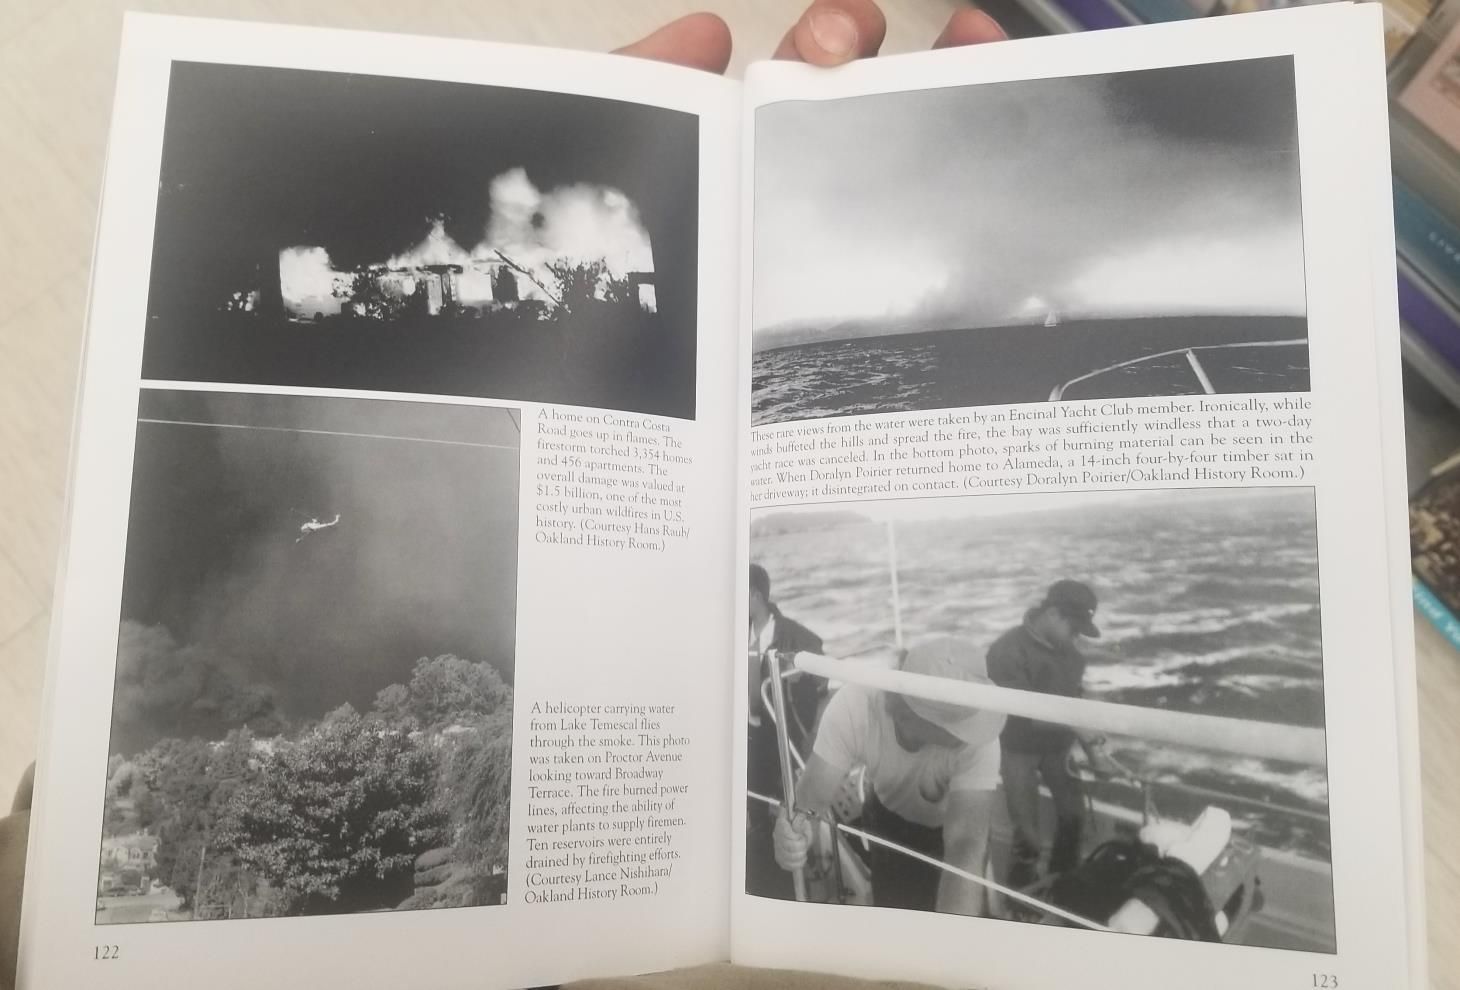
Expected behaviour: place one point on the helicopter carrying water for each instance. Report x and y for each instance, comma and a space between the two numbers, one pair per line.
313, 524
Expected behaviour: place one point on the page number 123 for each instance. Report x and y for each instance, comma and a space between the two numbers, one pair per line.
1325, 981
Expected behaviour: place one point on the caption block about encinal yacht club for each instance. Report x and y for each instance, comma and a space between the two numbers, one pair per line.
1242, 440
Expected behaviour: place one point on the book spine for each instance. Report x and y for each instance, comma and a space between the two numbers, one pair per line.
1430, 240
1159, 11
1096, 15
1433, 609
1428, 320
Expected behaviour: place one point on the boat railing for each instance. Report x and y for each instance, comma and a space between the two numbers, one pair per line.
1191, 358
1209, 793
1240, 737
1227, 797
1218, 733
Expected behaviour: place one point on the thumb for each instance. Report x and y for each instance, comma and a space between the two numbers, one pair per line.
696, 41
831, 32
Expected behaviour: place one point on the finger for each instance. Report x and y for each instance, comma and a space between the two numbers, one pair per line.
14, 831
791, 859
969, 27
696, 41
831, 32
25, 790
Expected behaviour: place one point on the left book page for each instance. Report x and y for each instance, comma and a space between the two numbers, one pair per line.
378, 653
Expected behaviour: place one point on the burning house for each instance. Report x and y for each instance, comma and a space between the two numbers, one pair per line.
540, 251
379, 292
310, 290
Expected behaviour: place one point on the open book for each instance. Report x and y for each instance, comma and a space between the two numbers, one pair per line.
439, 398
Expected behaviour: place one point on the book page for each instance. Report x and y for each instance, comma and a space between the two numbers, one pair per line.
398, 522
1067, 517
1402, 581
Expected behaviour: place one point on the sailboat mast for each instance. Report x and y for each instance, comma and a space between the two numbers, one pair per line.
896, 597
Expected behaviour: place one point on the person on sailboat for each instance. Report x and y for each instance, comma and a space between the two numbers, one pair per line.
770, 630
1042, 654
932, 770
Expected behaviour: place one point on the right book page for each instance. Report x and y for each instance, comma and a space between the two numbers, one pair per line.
1073, 589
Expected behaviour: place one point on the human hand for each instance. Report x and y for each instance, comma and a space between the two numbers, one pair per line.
14, 831
792, 839
828, 33
1102, 764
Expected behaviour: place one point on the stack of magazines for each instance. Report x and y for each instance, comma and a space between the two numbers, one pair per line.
1422, 43
1424, 83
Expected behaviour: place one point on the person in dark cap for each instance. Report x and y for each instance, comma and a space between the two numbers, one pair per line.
1042, 654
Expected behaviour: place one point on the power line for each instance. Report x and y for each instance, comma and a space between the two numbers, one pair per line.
327, 433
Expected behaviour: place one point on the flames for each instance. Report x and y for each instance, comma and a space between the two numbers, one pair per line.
308, 281
580, 223
438, 248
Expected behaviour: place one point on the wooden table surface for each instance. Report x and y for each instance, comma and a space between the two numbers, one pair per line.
57, 62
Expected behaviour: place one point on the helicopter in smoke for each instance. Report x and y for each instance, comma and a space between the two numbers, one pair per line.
313, 524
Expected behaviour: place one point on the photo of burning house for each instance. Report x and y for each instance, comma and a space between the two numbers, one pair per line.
342, 231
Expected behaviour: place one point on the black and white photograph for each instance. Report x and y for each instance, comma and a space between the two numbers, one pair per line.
339, 230
312, 710
1168, 773
1120, 235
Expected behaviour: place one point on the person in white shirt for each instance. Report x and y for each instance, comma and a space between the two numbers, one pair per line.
932, 768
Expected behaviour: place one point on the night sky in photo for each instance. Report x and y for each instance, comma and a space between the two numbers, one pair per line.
229, 607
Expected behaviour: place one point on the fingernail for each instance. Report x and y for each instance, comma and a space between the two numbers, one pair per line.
991, 25
834, 32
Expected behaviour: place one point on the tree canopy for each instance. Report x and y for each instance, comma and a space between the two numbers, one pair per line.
336, 820
334, 817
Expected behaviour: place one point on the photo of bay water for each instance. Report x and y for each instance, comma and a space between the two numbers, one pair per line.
1101, 236
950, 369
1208, 603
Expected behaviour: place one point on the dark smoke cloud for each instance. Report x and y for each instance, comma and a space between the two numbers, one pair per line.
232, 613
165, 688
